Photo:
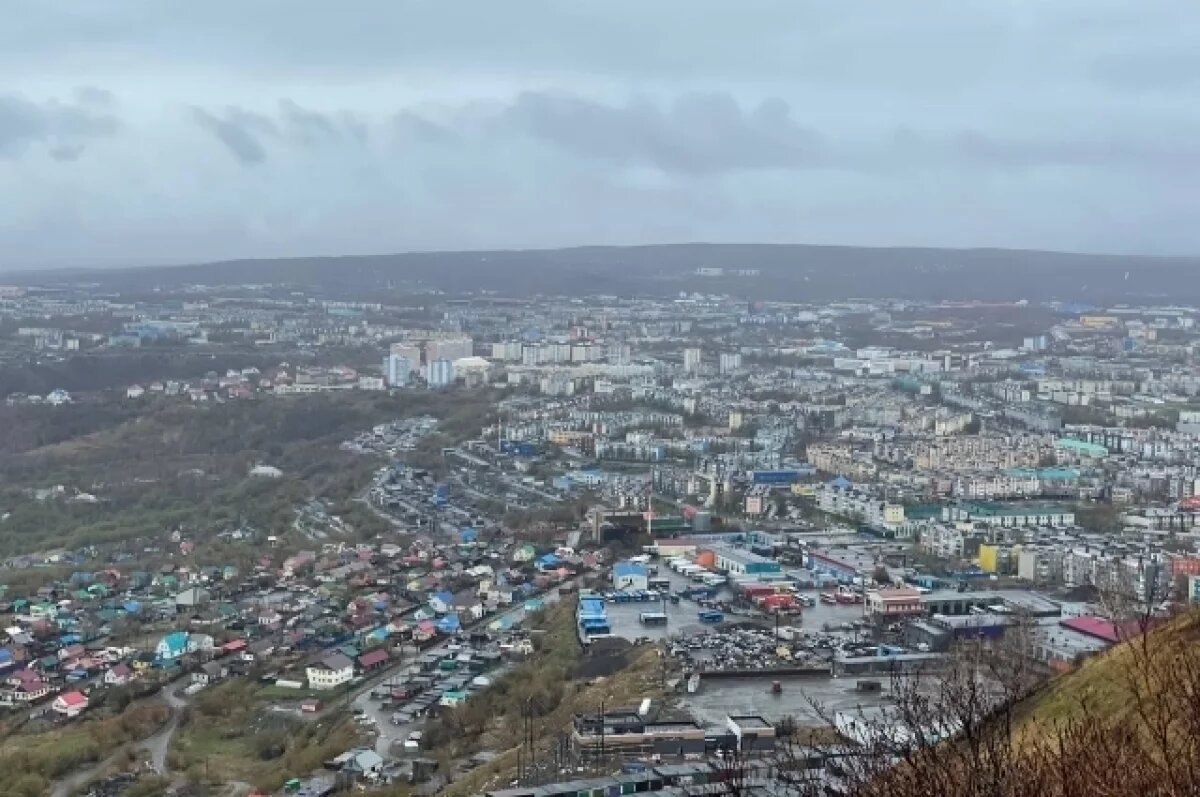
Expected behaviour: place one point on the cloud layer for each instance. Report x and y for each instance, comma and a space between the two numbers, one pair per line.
139, 132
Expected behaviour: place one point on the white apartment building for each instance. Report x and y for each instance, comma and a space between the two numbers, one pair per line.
992, 485
729, 362
943, 541
396, 370
439, 373
859, 505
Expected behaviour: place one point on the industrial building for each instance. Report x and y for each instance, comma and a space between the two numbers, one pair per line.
738, 561
629, 576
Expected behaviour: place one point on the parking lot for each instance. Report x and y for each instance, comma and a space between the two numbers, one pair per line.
623, 618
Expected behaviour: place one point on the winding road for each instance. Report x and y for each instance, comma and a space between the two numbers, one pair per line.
154, 747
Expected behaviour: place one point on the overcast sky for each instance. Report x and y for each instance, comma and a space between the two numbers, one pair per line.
143, 131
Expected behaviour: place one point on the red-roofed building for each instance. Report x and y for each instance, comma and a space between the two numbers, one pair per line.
373, 659
1103, 629
70, 704
234, 646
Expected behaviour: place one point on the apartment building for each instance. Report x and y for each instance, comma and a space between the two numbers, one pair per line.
842, 460
840, 497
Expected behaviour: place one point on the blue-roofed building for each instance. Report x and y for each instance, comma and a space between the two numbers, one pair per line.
591, 615
548, 561
448, 624
467, 536
441, 602
841, 482
501, 623
171, 648
629, 576
376, 635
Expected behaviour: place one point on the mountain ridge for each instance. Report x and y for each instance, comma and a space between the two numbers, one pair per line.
795, 272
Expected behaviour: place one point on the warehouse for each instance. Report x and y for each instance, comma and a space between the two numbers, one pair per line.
736, 561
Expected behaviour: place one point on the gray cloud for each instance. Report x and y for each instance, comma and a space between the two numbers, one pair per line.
239, 130
248, 135
275, 128
696, 133
24, 122
309, 127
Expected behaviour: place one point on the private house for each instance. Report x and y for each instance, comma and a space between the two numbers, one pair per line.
191, 598
373, 659
441, 602
330, 672
466, 603
118, 675
25, 686
171, 648
70, 704
209, 673
200, 643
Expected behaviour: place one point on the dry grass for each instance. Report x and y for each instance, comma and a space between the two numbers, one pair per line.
1102, 685
628, 687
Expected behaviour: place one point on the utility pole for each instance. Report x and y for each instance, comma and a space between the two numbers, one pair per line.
603, 722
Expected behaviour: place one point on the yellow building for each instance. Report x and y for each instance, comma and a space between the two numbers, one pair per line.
989, 558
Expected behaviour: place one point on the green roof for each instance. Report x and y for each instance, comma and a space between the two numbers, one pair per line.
1082, 446
922, 511
993, 508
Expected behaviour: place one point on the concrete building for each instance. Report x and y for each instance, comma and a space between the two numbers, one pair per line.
410, 352
396, 370
439, 373
839, 497
896, 602
451, 348
692, 359
1010, 515
730, 362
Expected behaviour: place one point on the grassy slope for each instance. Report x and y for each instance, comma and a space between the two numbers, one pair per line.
40, 758
626, 687
1102, 683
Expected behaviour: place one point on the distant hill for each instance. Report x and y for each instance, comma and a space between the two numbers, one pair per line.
783, 271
